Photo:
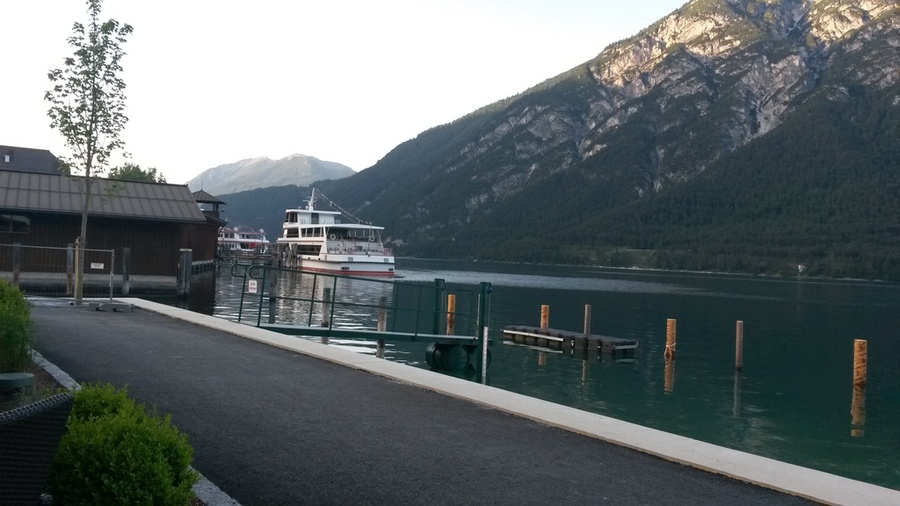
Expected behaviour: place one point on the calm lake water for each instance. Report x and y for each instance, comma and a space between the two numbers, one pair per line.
791, 403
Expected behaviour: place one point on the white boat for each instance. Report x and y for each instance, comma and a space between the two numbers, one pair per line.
242, 240
317, 241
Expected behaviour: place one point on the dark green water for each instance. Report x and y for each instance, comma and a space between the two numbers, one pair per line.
792, 402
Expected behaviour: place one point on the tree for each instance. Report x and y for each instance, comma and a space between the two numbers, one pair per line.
134, 172
87, 104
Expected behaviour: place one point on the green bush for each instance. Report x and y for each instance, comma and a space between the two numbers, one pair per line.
15, 329
116, 452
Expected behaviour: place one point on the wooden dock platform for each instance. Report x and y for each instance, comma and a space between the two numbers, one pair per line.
555, 339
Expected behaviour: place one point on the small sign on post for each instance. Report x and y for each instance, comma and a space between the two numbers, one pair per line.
97, 265
251, 286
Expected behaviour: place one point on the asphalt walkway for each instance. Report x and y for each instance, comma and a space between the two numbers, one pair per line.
271, 424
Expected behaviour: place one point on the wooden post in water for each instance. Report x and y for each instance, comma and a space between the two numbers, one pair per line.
670, 339
860, 361
545, 317
858, 401
382, 326
739, 346
451, 313
587, 320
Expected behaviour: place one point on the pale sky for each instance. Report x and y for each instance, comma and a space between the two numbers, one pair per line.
213, 82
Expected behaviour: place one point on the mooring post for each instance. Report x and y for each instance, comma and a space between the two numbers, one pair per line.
587, 320
860, 361
739, 346
858, 401
670, 339
184, 272
451, 313
587, 327
545, 317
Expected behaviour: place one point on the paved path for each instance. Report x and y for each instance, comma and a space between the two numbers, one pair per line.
274, 426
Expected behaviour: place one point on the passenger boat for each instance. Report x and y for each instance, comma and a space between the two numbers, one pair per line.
318, 241
242, 240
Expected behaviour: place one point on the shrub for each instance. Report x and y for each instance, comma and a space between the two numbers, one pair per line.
116, 452
15, 329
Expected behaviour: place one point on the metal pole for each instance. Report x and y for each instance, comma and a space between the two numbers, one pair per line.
439, 286
126, 271
112, 264
17, 263
482, 329
70, 270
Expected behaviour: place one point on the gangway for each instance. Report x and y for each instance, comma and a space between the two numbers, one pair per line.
452, 319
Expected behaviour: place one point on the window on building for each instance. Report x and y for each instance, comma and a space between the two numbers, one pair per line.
14, 223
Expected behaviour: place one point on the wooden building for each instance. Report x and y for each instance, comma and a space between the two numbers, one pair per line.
153, 220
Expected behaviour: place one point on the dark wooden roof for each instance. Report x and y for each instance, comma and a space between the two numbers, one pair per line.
205, 198
50, 193
28, 160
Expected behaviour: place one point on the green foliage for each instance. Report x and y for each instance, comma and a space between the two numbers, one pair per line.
15, 329
134, 172
116, 452
87, 100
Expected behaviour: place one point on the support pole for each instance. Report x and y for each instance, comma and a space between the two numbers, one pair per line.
126, 271
17, 263
326, 307
382, 326
670, 339
739, 346
451, 313
545, 317
439, 286
484, 304
70, 269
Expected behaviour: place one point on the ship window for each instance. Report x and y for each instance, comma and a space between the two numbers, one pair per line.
291, 232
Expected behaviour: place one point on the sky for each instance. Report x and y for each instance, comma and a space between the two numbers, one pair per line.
211, 82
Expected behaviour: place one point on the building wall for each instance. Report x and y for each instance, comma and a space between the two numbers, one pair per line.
155, 245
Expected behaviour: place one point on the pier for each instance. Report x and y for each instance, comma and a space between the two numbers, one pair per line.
567, 340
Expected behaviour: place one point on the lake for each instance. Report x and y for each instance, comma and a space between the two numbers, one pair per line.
792, 402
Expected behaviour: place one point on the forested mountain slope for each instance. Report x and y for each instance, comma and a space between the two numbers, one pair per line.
735, 135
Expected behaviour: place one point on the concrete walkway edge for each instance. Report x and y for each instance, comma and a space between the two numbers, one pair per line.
769, 473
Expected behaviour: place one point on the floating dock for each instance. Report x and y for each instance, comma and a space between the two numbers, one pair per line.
555, 339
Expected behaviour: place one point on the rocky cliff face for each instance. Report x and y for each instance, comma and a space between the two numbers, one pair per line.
699, 83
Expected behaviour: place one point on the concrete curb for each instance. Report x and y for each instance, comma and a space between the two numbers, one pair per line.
765, 472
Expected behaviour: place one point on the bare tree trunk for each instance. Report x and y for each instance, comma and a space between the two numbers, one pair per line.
81, 243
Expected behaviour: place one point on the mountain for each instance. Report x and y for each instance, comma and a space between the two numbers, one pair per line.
263, 172
731, 135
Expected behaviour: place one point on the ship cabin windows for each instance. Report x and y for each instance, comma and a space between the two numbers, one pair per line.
290, 217
291, 232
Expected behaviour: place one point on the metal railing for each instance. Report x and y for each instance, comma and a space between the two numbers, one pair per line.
47, 268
